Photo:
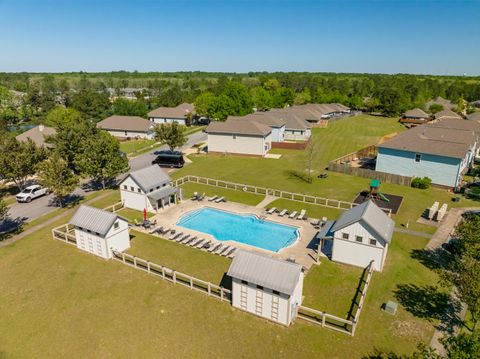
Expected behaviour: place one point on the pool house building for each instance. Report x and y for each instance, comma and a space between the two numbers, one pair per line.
148, 189
268, 287
98, 231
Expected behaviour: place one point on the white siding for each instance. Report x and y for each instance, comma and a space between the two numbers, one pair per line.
349, 251
133, 199
131, 134
168, 120
297, 135
278, 134
239, 144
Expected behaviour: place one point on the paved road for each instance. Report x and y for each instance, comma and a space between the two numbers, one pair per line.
146, 159
27, 212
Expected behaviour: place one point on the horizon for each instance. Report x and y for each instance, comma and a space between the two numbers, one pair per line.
348, 36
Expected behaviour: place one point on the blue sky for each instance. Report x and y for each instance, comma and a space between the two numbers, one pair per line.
434, 37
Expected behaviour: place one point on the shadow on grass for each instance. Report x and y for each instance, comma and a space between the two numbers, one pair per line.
358, 294
11, 226
427, 302
292, 174
226, 282
433, 259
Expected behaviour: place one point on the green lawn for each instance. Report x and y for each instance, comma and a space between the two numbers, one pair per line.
110, 199
313, 211
231, 195
200, 264
132, 146
132, 215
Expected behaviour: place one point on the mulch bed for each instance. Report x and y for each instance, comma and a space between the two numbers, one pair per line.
393, 204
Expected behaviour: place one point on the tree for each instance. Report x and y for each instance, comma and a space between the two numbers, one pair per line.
262, 99
310, 153
204, 104
18, 160
434, 108
100, 158
462, 346
62, 116
124, 107
468, 237
93, 104
54, 174
3, 210
173, 135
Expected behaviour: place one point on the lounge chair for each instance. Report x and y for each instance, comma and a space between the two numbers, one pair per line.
271, 210
224, 251
172, 235
194, 241
214, 198
283, 212
214, 246
200, 243
232, 253
302, 214
219, 249
201, 197
221, 199
178, 235
195, 196
293, 214
185, 239
206, 245
190, 240
182, 238
137, 223
164, 231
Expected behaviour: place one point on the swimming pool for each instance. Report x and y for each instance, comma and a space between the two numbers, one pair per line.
243, 228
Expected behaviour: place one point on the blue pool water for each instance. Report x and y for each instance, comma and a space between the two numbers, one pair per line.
248, 229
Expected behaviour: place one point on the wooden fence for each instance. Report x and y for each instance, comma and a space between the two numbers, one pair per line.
114, 207
291, 145
64, 233
333, 322
367, 173
297, 197
174, 276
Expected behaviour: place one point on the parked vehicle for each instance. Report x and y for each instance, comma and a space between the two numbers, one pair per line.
169, 159
30, 193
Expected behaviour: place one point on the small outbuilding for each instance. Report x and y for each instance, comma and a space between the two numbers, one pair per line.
148, 189
361, 235
266, 286
98, 231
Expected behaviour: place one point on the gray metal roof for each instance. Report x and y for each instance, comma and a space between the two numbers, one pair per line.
370, 214
162, 193
150, 177
265, 270
326, 231
94, 219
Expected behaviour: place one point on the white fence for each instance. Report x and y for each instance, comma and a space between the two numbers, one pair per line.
174, 276
333, 322
292, 196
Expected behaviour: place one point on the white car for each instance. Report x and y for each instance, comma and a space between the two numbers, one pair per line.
31, 192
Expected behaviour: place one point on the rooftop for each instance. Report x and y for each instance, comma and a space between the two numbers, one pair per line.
180, 112
234, 127
150, 177
125, 123
37, 134
416, 113
93, 219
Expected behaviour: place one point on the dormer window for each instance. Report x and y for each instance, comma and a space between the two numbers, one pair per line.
418, 157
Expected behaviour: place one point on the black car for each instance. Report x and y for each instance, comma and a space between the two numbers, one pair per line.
169, 159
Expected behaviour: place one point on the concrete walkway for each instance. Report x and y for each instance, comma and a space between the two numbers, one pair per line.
412, 232
33, 229
266, 201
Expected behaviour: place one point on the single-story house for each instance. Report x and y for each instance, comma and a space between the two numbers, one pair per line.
362, 234
474, 116
180, 114
239, 137
127, 127
149, 188
98, 231
296, 128
37, 134
275, 122
447, 115
415, 117
442, 151
447, 104
266, 286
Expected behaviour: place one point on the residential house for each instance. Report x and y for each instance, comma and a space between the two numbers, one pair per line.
275, 122
148, 189
99, 232
442, 151
239, 137
415, 117
296, 127
446, 115
362, 234
474, 116
266, 286
180, 114
126, 127
37, 134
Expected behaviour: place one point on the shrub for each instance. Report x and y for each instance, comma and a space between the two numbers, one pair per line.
422, 183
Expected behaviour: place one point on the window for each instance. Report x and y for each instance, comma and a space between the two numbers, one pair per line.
418, 157
234, 137
373, 242
259, 287
359, 239
276, 292
126, 134
116, 225
244, 282
132, 188
345, 235
139, 190
125, 186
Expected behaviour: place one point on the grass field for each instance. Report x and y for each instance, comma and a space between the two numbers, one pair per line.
231, 195
132, 146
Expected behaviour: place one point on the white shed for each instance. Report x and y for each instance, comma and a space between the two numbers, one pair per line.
360, 235
98, 231
149, 188
266, 286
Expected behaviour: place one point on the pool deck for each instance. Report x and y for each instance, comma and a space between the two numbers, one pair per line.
300, 251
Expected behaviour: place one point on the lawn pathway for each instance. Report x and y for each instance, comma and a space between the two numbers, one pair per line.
266, 201
412, 232
33, 229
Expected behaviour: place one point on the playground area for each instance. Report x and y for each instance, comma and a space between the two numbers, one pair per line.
383, 200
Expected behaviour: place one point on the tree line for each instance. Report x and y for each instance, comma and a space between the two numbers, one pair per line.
221, 94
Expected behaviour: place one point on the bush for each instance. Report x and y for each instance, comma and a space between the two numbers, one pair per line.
422, 183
